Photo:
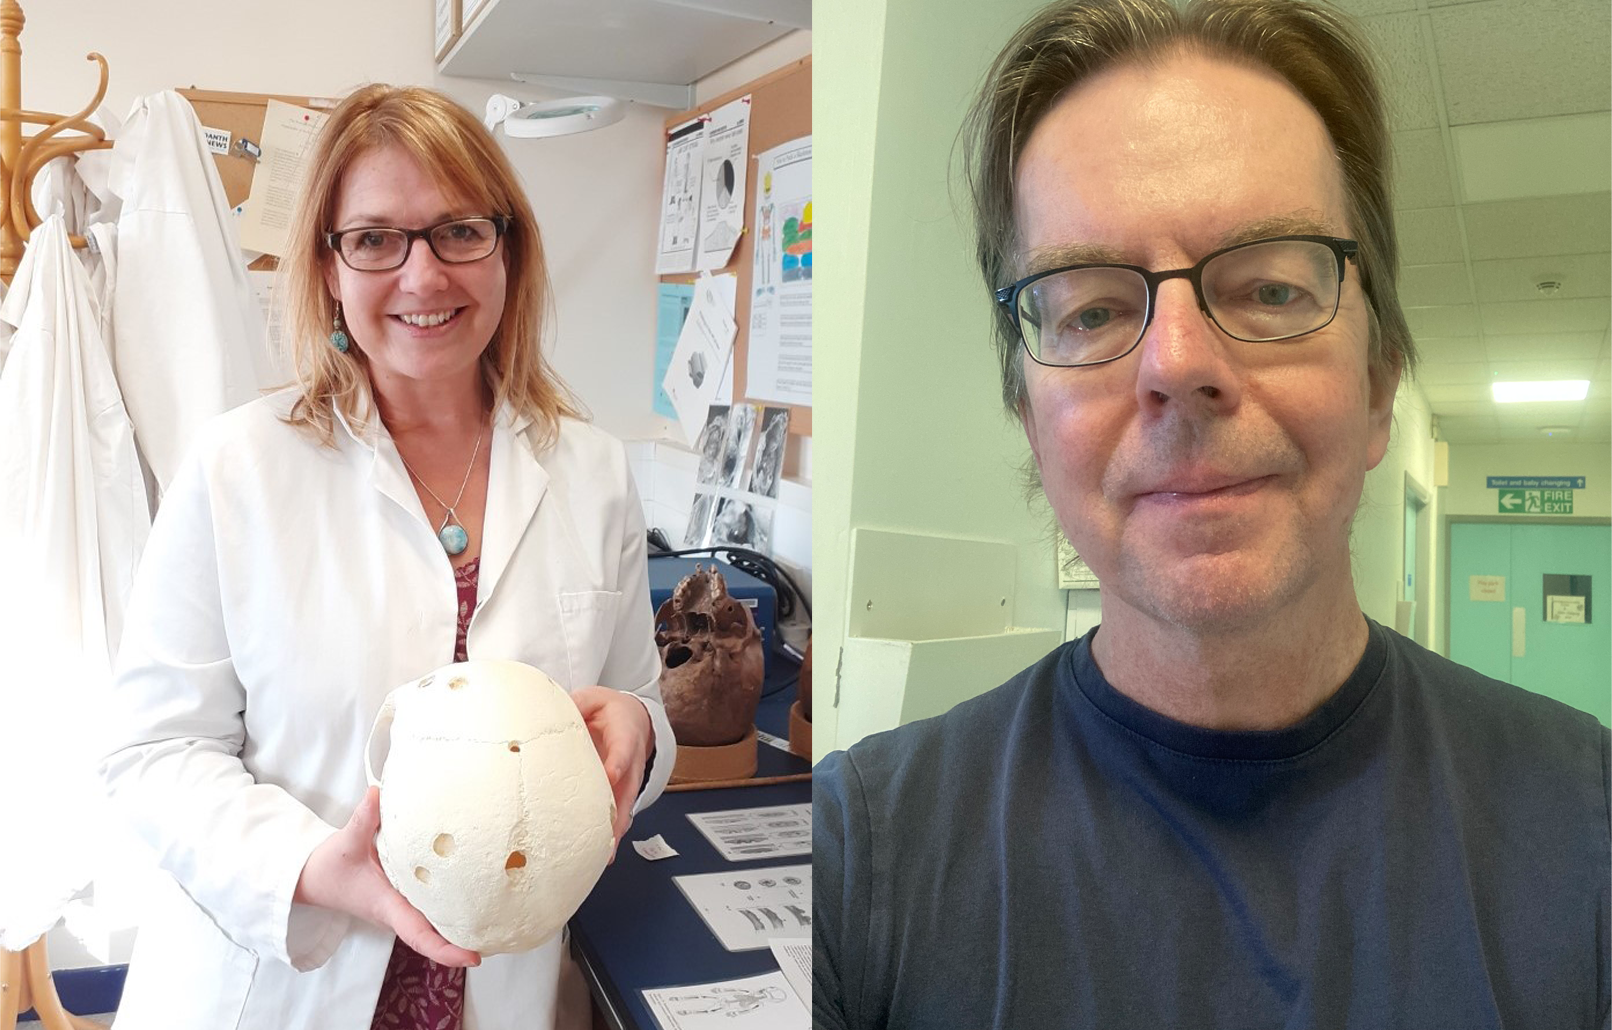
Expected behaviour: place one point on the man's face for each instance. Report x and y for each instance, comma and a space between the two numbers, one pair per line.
1208, 482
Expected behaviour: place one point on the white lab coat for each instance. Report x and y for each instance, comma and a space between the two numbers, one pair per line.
190, 339
286, 588
73, 519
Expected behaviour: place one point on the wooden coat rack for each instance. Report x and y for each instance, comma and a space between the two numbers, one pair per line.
25, 976
20, 159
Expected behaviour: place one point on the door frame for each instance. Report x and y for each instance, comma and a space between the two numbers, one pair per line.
1446, 521
1421, 560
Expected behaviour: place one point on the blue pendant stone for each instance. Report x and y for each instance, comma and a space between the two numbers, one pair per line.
454, 539
338, 339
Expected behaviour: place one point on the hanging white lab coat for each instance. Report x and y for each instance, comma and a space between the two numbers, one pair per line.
74, 519
190, 338
286, 588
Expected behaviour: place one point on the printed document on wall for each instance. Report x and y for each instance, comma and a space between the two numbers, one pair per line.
680, 199
288, 135
727, 140
700, 359
780, 367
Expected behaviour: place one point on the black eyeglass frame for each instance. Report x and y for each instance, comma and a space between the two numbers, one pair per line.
1008, 296
501, 226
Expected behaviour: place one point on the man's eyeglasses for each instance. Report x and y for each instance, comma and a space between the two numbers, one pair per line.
1259, 292
381, 248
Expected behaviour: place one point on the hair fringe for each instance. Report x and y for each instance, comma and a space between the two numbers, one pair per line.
453, 147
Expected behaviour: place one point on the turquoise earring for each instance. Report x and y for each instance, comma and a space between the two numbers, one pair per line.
338, 337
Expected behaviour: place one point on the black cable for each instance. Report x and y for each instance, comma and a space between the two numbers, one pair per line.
756, 564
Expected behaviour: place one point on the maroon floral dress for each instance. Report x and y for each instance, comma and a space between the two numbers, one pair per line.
419, 994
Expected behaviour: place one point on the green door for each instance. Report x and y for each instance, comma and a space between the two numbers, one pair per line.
1500, 608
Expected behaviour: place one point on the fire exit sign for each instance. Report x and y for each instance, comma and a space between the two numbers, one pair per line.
1536, 502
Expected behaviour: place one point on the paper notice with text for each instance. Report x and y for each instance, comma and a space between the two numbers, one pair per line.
780, 364
288, 135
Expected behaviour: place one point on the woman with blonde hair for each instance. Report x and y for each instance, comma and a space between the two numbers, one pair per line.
425, 493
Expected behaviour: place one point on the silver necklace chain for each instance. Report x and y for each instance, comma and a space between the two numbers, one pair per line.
451, 514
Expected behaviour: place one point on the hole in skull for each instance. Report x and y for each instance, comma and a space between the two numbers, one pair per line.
516, 861
677, 654
457, 682
443, 845
422, 874
515, 745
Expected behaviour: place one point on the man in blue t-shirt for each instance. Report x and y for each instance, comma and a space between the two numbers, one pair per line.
1237, 803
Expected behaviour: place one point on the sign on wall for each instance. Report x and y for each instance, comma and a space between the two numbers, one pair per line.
1536, 482
1486, 588
1536, 502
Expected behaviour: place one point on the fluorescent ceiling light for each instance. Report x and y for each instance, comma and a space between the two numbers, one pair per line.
1558, 390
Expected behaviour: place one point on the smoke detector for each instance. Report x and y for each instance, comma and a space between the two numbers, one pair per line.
1548, 287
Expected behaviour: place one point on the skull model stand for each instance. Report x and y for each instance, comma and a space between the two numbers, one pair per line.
710, 681
800, 713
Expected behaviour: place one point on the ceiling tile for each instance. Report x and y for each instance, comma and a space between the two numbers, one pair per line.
1455, 320
1540, 371
1515, 317
1523, 58
1431, 236
1447, 348
1462, 409
1591, 432
1598, 409
1544, 347
1439, 394
1580, 275
1560, 413
1519, 434
1538, 226
1367, 8
1476, 429
1407, 80
1533, 157
1428, 285
1446, 373
1421, 174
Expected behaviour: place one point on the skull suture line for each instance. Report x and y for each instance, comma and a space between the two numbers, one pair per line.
496, 813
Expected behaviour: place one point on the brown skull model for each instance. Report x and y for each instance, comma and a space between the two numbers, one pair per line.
711, 661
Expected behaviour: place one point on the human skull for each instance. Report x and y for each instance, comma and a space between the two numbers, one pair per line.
496, 813
711, 661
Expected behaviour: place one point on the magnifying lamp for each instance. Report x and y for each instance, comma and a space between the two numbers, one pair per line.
552, 117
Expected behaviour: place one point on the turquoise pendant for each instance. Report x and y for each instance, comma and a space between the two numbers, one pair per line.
454, 539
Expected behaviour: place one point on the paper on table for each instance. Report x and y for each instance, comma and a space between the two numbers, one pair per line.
748, 907
288, 135
794, 955
654, 849
695, 374
727, 141
780, 364
747, 834
764, 1002
680, 199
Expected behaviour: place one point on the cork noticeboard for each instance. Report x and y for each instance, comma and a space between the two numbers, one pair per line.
780, 111
241, 115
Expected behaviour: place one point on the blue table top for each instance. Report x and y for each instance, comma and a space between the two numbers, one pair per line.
637, 930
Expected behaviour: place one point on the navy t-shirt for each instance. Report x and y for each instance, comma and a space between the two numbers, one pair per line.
1429, 848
